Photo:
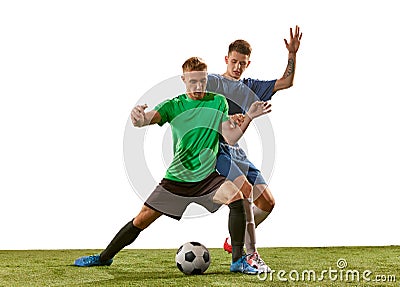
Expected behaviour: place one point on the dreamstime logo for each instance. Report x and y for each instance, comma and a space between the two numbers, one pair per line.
148, 150
339, 273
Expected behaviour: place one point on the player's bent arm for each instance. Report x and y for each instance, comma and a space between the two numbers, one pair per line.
153, 116
232, 133
140, 118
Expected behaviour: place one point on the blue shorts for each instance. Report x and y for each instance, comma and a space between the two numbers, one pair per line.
233, 162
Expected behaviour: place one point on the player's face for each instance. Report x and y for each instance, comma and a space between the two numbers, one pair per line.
195, 83
236, 64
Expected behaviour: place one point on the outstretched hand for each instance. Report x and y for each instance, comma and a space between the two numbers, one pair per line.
294, 41
258, 108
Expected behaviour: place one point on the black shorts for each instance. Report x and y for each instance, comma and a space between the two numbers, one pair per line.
172, 197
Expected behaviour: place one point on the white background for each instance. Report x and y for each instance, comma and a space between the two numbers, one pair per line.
70, 72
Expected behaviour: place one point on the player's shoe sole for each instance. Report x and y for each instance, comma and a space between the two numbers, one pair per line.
242, 266
92, 260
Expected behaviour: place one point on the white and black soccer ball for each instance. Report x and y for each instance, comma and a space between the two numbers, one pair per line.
193, 258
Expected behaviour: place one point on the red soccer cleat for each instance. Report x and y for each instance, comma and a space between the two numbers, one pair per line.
227, 246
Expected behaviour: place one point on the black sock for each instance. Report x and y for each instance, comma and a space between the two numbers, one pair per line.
237, 227
124, 237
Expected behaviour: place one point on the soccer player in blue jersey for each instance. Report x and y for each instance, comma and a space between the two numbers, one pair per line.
232, 161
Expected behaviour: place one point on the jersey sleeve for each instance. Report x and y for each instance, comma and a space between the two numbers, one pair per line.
164, 109
263, 89
213, 84
225, 106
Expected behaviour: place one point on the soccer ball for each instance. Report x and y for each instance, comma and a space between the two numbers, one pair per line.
192, 258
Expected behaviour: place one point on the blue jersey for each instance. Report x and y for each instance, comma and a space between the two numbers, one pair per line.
242, 93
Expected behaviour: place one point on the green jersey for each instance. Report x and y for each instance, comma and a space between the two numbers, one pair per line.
195, 126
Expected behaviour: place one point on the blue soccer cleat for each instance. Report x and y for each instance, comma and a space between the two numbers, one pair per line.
242, 266
92, 260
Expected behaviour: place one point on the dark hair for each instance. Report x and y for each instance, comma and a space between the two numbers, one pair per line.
240, 46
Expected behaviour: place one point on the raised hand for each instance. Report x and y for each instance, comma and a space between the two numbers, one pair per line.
258, 108
294, 41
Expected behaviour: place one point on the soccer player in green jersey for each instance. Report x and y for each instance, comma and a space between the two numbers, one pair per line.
197, 118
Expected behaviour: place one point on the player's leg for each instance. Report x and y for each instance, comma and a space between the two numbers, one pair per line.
250, 234
263, 197
242, 173
227, 166
130, 232
263, 204
127, 234
230, 195
146, 217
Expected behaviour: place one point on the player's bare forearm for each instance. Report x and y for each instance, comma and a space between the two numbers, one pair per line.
290, 68
288, 76
233, 133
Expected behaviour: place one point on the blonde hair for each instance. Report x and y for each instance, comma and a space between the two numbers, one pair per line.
194, 64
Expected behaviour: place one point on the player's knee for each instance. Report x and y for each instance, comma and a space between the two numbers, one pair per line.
271, 203
145, 217
244, 185
232, 192
263, 199
246, 189
238, 195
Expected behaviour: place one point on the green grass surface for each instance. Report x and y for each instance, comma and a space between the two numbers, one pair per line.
138, 267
